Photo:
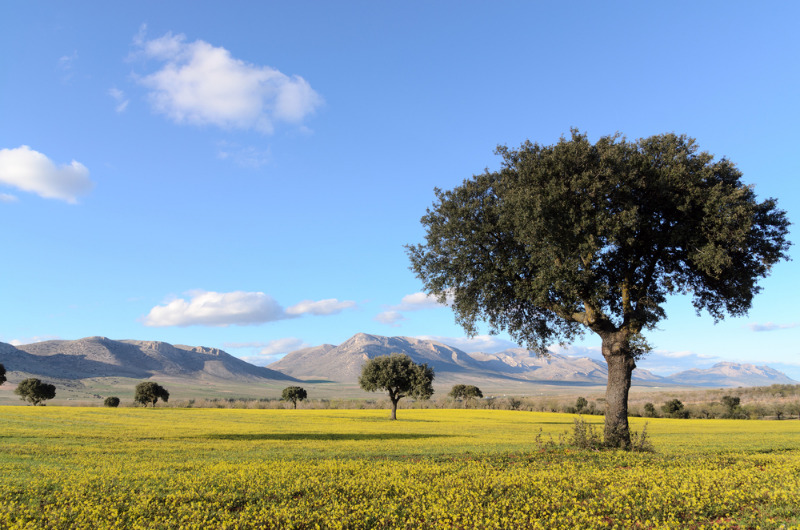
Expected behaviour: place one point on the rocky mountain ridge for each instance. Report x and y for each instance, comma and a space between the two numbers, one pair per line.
343, 363
103, 357
97, 357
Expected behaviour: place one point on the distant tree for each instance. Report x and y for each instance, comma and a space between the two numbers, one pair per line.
580, 404
649, 410
398, 375
2, 374
112, 401
733, 408
34, 391
578, 237
465, 392
294, 394
674, 409
150, 392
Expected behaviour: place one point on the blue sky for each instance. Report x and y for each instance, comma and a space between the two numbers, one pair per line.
245, 175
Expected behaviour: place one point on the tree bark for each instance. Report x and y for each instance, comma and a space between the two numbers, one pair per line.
619, 359
394, 399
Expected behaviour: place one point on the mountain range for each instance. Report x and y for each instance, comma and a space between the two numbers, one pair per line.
513, 369
93, 357
343, 363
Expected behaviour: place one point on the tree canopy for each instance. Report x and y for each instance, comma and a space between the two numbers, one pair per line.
34, 391
399, 376
150, 392
579, 236
465, 392
294, 394
2, 374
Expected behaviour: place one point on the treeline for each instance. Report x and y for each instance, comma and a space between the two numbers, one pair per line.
774, 402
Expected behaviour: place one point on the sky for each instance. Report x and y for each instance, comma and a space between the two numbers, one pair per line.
245, 175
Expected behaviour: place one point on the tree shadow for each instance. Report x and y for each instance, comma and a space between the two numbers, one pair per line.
335, 437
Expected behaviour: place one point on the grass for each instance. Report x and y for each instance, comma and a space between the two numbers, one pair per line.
71, 467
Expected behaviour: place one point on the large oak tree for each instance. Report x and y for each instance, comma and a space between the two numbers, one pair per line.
577, 236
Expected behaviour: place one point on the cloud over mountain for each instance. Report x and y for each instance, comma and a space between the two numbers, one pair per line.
29, 170
202, 84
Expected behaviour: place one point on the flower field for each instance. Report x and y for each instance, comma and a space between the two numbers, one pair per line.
64, 467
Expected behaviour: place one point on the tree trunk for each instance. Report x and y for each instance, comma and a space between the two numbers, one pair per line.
394, 399
619, 358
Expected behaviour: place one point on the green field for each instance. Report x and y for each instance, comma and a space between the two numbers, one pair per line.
70, 467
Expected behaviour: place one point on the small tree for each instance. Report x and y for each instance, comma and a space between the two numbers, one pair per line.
294, 394
465, 392
398, 375
733, 407
580, 404
150, 392
112, 401
674, 409
2, 374
649, 410
34, 391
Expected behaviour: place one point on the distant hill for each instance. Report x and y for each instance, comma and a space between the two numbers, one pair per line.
343, 363
513, 370
102, 357
733, 374
555, 367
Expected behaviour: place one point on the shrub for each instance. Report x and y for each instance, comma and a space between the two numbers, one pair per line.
674, 409
112, 401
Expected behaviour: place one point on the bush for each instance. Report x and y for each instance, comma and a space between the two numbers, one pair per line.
112, 401
585, 436
674, 409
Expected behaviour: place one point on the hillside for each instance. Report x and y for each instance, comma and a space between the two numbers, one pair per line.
343, 363
733, 374
95, 357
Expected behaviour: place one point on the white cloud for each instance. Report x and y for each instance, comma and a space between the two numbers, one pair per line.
119, 97
29, 170
269, 351
282, 346
208, 308
31, 340
331, 306
417, 301
5, 197
410, 302
479, 343
203, 84
391, 318
237, 345
66, 62
243, 156
769, 326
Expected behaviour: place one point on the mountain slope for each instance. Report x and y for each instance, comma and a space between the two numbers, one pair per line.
732, 374
343, 363
103, 357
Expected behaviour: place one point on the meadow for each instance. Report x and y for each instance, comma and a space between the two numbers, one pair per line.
73, 467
